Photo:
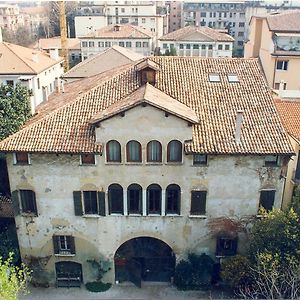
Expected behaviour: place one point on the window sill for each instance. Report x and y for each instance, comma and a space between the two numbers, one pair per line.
116, 215
170, 163
24, 214
22, 164
64, 255
91, 216
153, 163
173, 215
113, 163
87, 165
197, 216
153, 215
134, 215
134, 163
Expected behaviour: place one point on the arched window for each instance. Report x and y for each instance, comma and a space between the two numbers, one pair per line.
134, 151
154, 151
173, 199
154, 199
113, 151
134, 199
115, 199
174, 151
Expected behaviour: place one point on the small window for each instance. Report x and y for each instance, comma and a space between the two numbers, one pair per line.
214, 77
188, 46
134, 151
271, 160
115, 199
38, 83
122, 9
28, 202
200, 159
21, 158
87, 159
232, 78
121, 44
84, 44
173, 194
282, 65
90, 202
181, 46
203, 47
145, 44
154, 199
10, 82
195, 46
113, 151
165, 46
174, 151
198, 202
277, 86
227, 47
91, 44
128, 44
134, 198
100, 44
226, 246
154, 153
220, 47
107, 44
241, 24
210, 47
138, 44
63, 245
266, 200
143, 20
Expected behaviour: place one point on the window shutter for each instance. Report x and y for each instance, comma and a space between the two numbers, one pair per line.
71, 242
55, 239
34, 204
77, 203
101, 203
15, 202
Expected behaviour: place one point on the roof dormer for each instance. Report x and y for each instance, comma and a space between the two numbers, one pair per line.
146, 71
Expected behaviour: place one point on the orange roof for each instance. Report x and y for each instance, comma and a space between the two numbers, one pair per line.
15, 59
289, 112
286, 21
205, 34
55, 42
124, 31
62, 124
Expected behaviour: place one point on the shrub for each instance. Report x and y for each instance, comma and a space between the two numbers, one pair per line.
235, 271
195, 273
97, 286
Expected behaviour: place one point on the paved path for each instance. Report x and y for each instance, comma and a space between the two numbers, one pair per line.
118, 292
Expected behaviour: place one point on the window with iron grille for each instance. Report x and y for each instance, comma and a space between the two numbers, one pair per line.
63, 245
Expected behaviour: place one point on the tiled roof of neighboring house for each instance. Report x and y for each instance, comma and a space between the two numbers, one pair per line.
6, 210
15, 59
101, 62
287, 21
205, 34
289, 112
124, 31
62, 124
152, 96
55, 42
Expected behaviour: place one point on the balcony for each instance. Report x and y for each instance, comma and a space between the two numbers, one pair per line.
286, 44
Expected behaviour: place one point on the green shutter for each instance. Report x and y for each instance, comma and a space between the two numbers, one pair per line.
34, 204
71, 242
15, 202
101, 203
77, 203
55, 239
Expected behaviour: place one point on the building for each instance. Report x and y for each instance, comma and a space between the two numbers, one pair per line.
109, 59
131, 166
129, 36
197, 41
275, 39
150, 15
34, 69
289, 111
175, 15
10, 17
74, 51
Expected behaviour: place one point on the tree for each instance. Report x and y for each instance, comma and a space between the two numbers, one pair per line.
14, 108
13, 279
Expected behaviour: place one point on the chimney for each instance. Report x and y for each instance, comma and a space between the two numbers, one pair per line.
35, 57
1, 39
238, 126
54, 54
117, 27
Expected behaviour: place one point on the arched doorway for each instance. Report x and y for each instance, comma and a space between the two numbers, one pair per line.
144, 259
68, 274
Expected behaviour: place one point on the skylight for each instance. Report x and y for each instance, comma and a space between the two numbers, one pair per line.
213, 77
233, 78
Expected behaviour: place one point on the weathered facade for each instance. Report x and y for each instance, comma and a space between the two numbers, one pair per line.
133, 164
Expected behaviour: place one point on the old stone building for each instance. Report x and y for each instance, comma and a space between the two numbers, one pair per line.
132, 164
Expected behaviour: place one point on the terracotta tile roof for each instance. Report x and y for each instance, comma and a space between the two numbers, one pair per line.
55, 42
125, 31
152, 96
205, 34
289, 112
62, 125
287, 21
101, 62
15, 59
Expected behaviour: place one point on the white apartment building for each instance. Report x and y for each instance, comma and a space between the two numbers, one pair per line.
34, 69
10, 17
197, 41
132, 37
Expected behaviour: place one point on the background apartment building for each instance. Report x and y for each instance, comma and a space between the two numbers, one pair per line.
10, 17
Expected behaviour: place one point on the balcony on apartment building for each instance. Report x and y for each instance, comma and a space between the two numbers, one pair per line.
286, 44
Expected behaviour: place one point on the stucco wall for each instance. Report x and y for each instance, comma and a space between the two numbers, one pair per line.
233, 185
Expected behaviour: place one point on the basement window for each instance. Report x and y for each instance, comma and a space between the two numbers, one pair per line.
226, 246
213, 77
232, 78
200, 159
87, 159
63, 245
271, 160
